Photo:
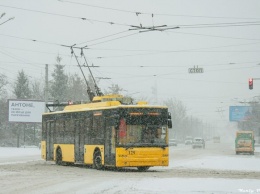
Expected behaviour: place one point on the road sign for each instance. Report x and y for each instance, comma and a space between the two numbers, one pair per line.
195, 70
240, 113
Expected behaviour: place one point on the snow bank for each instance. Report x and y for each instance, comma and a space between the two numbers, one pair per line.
13, 152
239, 162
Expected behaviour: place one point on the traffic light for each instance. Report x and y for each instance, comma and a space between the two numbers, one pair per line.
250, 82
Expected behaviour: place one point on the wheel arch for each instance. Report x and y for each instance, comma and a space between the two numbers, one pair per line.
89, 151
55, 152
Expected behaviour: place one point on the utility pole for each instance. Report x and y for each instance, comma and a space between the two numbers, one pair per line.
46, 86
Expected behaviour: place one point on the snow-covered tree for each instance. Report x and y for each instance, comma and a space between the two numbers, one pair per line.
3, 82
77, 89
114, 89
21, 86
38, 89
59, 85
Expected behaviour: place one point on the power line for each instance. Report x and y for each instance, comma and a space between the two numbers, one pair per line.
152, 14
227, 37
219, 25
114, 23
62, 15
180, 51
102, 37
114, 39
29, 39
34, 51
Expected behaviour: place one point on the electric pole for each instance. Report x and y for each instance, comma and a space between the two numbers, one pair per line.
46, 86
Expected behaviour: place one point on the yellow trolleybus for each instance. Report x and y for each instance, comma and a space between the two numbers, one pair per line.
108, 132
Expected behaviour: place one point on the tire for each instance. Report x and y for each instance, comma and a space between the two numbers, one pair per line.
97, 160
58, 157
142, 168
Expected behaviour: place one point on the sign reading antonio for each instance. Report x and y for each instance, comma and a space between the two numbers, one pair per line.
27, 111
195, 70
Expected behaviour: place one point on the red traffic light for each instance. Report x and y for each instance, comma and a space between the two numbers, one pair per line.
250, 83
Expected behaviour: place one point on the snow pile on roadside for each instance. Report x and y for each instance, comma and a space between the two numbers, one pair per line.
14, 152
197, 185
234, 162
222, 163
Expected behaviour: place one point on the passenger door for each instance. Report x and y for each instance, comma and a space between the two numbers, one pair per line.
79, 140
50, 127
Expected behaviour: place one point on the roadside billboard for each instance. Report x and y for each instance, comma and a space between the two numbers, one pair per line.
239, 113
25, 111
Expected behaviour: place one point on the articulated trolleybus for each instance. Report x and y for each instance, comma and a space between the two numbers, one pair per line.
108, 132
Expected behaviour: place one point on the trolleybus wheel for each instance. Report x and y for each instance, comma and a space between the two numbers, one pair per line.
143, 168
97, 160
58, 157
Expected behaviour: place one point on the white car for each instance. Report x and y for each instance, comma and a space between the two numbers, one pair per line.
198, 142
172, 142
188, 140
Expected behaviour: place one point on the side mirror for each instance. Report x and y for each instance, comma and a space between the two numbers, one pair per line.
169, 120
169, 123
169, 116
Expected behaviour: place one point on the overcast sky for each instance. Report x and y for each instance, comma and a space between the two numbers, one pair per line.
220, 36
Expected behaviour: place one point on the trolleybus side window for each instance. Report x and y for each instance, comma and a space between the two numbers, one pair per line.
98, 128
69, 132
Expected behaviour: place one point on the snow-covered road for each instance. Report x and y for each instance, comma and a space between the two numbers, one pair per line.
214, 170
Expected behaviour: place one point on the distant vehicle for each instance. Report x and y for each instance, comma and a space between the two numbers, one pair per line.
173, 142
245, 142
188, 140
198, 142
216, 139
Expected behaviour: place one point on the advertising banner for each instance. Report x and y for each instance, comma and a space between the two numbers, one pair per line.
239, 113
26, 111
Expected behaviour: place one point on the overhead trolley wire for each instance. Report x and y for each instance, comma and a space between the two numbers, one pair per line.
215, 36
210, 25
151, 52
153, 14
114, 39
29, 39
62, 15
138, 13
157, 52
103, 37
